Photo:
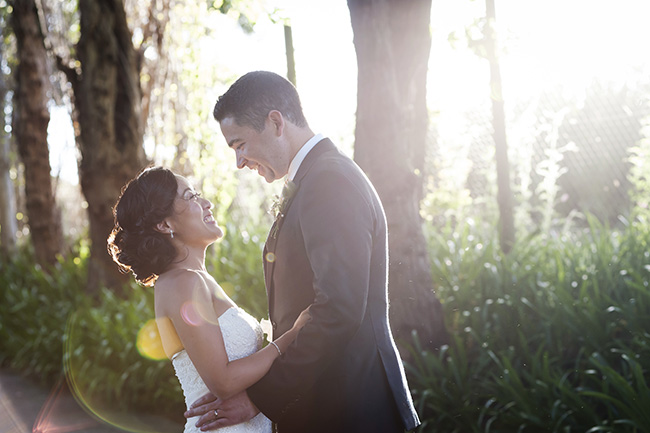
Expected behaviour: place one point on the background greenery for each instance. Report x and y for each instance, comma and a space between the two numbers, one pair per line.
51, 328
552, 337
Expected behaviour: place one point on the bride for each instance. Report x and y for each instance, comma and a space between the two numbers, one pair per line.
162, 230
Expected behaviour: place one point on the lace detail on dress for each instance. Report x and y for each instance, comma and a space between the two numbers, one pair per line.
242, 336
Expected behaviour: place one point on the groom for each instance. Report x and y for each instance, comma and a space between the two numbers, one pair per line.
327, 250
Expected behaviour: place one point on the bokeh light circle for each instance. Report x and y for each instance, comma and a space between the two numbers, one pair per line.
149, 343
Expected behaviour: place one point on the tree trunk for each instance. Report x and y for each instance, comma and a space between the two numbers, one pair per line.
392, 42
31, 119
504, 193
8, 225
288, 48
108, 100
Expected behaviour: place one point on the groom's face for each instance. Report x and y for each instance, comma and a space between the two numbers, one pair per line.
261, 151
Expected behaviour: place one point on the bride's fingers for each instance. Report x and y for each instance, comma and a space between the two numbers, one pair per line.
204, 399
206, 420
205, 409
215, 424
209, 422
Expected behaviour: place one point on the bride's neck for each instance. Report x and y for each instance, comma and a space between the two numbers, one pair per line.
192, 260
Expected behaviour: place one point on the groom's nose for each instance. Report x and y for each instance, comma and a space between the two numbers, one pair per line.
241, 161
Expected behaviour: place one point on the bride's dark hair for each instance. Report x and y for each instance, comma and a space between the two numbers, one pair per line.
134, 244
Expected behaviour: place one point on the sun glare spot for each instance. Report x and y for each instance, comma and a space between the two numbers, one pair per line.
149, 343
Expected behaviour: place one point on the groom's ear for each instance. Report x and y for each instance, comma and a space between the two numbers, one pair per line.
277, 120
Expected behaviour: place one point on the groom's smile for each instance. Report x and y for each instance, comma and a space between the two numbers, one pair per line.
261, 151
264, 172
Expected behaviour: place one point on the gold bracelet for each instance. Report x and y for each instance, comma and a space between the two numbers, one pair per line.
276, 346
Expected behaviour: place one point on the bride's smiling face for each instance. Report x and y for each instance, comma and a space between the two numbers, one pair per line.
192, 221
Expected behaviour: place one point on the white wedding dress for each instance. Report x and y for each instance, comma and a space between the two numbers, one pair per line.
242, 336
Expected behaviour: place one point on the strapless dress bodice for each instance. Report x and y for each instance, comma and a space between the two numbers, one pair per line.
242, 336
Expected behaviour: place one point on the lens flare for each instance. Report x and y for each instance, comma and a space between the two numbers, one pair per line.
191, 314
199, 312
149, 343
54, 416
270, 257
9, 416
80, 367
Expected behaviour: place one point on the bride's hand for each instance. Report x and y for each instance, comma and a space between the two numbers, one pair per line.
302, 320
215, 413
283, 342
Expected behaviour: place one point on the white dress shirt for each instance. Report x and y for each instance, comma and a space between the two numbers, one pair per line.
300, 156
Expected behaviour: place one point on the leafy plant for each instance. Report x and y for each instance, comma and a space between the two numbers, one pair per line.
552, 337
49, 329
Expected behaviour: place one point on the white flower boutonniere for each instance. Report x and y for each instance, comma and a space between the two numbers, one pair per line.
267, 328
280, 203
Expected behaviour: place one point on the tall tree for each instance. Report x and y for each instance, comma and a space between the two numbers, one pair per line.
392, 42
8, 225
107, 100
30, 122
504, 193
291, 61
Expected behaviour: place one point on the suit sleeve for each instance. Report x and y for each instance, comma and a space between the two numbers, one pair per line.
337, 223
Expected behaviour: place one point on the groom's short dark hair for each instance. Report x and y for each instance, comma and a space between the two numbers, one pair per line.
250, 99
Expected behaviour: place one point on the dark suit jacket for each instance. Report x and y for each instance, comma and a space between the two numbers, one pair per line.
343, 372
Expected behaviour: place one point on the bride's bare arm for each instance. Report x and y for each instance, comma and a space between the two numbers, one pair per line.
202, 338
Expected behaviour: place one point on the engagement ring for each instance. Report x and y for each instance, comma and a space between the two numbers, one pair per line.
216, 413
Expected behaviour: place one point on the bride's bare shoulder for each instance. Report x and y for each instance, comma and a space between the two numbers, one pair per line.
176, 287
180, 281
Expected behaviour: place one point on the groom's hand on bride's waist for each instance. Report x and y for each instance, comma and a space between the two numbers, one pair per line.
233, 411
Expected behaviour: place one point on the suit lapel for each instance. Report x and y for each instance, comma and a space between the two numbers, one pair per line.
323, 146
320, 148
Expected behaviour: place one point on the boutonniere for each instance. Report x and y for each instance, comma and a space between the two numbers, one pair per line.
281, 202
267, 328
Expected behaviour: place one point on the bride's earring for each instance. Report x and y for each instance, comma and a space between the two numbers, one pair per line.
171, 232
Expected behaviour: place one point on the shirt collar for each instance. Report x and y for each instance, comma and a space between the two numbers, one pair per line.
301, 154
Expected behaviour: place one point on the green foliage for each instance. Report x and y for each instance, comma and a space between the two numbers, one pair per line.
248, 13
104, 363
34, 308
236, 264
639, 159
50, 328
552, 337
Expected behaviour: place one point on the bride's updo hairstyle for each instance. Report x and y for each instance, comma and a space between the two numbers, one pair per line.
134, 244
